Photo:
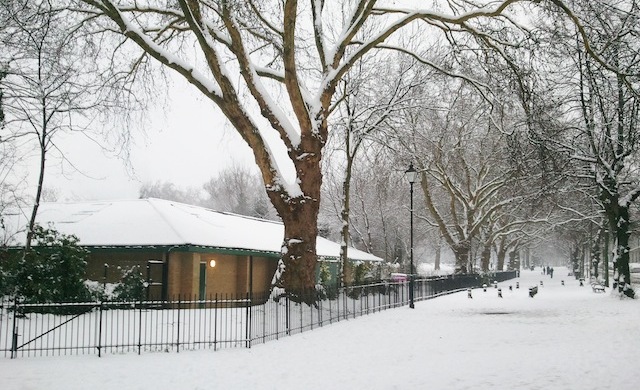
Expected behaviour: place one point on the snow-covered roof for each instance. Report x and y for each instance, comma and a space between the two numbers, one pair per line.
155, 222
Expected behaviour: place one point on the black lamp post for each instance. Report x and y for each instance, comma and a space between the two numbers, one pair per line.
411, 176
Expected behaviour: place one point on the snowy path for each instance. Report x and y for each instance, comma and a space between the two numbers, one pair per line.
567, 337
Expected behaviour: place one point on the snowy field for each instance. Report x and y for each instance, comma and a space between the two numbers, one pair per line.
566, 337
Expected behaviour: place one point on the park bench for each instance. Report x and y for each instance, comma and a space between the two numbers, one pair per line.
533, 291
597, 287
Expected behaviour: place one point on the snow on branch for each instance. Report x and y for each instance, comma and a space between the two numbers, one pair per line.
269, 109
158, 52
341, 65
629, 198
478, 85
587, 42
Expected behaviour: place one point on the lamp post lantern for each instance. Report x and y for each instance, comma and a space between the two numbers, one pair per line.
411, 174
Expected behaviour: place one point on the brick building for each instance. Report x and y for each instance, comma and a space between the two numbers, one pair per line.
184, 250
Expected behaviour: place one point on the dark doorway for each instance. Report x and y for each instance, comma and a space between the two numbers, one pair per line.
203, 281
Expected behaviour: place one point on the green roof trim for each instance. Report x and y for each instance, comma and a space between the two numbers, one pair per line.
183, 248
197, 249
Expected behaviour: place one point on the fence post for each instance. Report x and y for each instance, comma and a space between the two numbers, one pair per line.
338, 303
14, 336
100, 329
140, 327
301, 314
311, 310
277, 311
215, 323
330, 311
264, 317
287, 315
178, 335
248, 321
354, 305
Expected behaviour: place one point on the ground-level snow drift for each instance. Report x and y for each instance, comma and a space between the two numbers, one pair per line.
566, 337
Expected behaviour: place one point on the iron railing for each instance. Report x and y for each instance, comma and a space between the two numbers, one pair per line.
220, 321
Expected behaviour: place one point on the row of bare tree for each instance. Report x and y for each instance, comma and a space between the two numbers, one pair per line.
521, 116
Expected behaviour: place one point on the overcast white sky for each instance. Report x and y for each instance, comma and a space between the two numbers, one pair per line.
185, 144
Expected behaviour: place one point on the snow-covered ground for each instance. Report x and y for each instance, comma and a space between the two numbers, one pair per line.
566, 337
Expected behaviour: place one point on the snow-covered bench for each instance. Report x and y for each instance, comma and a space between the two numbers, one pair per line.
597, 287
533, 291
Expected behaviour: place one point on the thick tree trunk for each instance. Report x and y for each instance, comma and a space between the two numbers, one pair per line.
345, 267
462, 252
300, 218
501, 254
513, 261
575, 260
623, 232
299, 251
596, 255
486, 256
620, 227
345, 274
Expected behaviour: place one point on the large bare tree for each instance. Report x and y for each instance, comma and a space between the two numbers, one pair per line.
274, 67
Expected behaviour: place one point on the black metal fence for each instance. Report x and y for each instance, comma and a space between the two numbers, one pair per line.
187, 324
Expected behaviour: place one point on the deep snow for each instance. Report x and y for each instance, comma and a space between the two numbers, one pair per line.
566, 337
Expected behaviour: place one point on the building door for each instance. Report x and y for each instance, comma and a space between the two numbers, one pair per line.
156, 280
203, 281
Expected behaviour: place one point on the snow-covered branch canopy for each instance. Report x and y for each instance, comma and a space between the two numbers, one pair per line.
275, 66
